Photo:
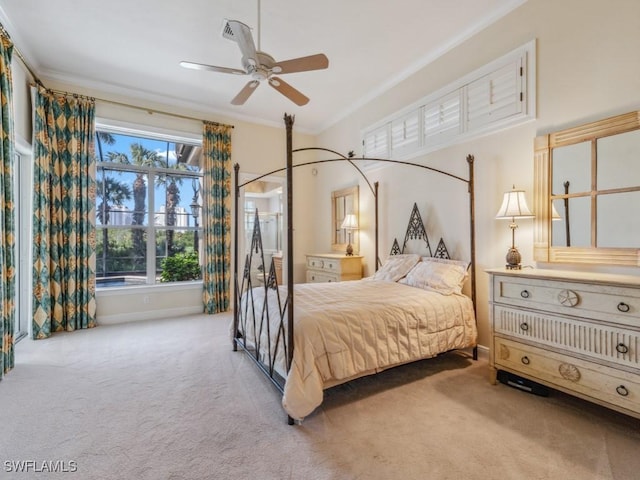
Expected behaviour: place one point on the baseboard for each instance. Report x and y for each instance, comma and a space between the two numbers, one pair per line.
483, 352
148, 315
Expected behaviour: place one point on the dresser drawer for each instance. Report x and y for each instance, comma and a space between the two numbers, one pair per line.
599, 382
325, 264
613, 304
321, 277
597, 340
333, 267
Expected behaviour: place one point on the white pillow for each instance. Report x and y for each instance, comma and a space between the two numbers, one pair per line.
462, 263
434, 274
396, 267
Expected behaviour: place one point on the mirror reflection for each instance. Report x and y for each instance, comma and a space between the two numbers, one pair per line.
619, 220
618, 156
571, 169
588, 193
567, 232
343, 202
591, 188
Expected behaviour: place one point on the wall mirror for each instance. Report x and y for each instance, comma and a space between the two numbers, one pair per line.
587, 193
344, 202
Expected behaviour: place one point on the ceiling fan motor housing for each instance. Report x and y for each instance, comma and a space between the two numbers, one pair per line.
261, 67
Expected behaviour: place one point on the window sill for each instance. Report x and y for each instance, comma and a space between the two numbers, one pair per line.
144, 289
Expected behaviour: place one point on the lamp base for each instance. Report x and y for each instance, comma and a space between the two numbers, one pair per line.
513, 259
349, 251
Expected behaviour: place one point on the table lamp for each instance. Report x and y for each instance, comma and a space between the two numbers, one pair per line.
514, 205
350, 223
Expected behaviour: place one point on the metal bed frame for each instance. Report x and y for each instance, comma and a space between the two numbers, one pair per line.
243, 283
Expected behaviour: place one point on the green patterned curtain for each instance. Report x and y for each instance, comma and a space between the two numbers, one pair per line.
7, 212
216, 154
64, 226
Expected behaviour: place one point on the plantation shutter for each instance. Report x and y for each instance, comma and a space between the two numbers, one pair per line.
405, 134
496, 96
376, 143
442, 119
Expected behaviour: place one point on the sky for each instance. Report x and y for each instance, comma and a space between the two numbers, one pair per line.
164, 149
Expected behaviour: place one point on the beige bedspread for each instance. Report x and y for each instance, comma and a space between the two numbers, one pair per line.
350, 329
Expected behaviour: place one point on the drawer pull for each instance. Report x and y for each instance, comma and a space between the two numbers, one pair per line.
524, 326
622, 348
525, 360
623, 307
525, 294
568, 298
569, 372
622, 390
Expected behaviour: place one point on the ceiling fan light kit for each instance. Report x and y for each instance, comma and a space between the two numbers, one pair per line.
261, 66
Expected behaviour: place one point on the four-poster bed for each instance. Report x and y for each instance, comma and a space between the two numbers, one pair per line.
327, 334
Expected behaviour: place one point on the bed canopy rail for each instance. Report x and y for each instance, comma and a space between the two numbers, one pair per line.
372, 187
243, 282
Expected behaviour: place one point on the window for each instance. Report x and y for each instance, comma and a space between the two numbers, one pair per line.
405, 133
442, 119
148, 210
376, 143
498, 95
495, 96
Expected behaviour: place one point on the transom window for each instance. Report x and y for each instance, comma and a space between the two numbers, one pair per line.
148, 210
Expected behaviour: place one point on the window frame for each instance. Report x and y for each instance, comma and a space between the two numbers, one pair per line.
157, 134
519, 64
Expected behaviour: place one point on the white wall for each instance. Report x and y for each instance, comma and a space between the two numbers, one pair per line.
587, 69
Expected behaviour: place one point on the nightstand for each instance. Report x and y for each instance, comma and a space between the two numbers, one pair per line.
333, 267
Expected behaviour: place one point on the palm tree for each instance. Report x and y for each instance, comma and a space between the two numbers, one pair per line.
172, 198
111, 192
143, 157
172, 201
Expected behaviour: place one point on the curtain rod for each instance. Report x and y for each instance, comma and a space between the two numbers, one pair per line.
150, 111
18, 53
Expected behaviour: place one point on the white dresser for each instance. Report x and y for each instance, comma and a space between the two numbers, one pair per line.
576, 332
333, 267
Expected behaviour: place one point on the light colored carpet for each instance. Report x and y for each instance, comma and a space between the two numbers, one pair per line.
169, 399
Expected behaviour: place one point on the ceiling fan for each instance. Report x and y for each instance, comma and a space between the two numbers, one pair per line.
262, 66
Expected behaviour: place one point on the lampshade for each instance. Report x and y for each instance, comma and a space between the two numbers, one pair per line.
514, 205
554, 213
350, 222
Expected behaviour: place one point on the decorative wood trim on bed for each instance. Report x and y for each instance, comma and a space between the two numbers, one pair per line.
259, 322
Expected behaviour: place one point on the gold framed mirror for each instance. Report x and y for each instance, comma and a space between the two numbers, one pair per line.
344, 202
587, 193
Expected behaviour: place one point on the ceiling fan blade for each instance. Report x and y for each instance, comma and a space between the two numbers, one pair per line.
288, 91
242, 35
245, 93
212, 68
302, 64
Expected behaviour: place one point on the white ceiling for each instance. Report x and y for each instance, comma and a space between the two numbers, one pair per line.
133, 47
